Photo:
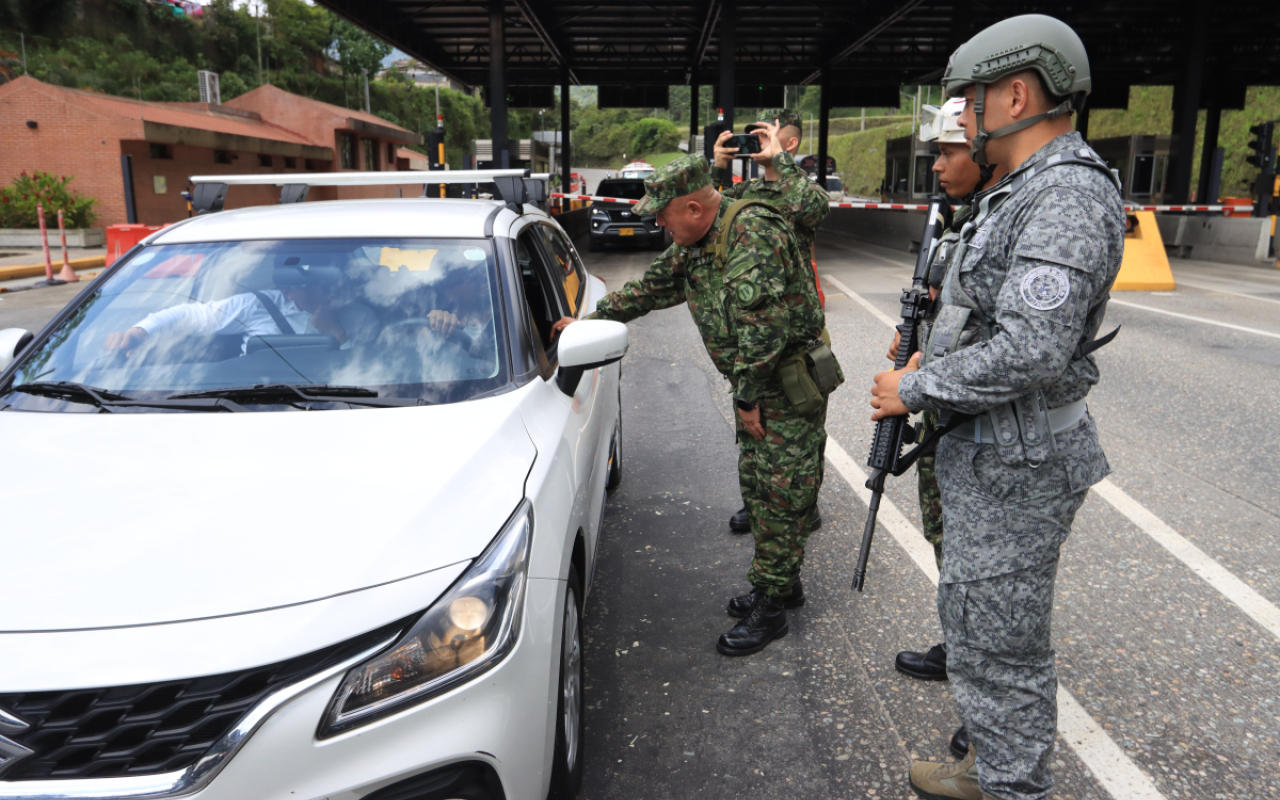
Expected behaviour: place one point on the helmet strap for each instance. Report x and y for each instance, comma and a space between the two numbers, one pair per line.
978, 147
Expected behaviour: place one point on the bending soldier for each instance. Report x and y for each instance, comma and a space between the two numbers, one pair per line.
1022, 301
750, 290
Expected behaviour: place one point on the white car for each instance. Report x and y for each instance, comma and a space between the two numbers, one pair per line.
211, 593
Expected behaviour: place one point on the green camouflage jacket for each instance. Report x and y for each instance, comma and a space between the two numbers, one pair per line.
762, 308
795, 194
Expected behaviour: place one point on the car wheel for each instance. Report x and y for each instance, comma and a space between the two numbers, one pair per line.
566, 770
594, 245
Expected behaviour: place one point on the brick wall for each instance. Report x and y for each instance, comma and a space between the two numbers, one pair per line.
68, 141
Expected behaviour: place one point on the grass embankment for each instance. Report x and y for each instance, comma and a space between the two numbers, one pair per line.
860, 156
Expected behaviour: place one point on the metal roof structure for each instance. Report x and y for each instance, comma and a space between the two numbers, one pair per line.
866, 44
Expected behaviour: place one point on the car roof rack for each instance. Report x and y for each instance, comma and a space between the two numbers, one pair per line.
514, 186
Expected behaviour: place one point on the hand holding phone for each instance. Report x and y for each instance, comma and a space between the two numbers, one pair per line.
747, 143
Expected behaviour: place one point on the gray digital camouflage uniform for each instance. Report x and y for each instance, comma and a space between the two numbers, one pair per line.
1035, 270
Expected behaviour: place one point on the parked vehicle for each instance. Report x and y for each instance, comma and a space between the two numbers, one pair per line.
637, 169
613, 222
249, 599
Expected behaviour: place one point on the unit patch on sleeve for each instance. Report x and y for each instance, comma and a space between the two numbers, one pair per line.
1045, 288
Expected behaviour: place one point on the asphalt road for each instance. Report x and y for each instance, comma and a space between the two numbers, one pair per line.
1166, 618
1174, 684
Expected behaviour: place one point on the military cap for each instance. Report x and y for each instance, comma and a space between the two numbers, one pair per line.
685, 175
784, 116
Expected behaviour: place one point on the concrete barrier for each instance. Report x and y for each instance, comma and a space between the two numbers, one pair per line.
897, 230
1213, 238
30, 237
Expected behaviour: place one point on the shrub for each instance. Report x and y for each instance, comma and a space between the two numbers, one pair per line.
18, 202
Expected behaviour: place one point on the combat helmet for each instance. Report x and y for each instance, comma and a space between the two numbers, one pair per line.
1031, 41
945, 125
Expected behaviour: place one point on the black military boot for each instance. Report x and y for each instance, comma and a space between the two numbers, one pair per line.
767, 621
928, 666
741, 605
741, 523
959, 746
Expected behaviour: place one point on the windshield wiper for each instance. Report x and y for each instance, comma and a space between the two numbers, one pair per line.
107, 400
291, 393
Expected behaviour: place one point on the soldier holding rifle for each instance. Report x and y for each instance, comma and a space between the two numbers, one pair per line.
1021, 303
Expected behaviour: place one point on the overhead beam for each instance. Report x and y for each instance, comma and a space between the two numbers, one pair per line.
548, 41
699, 49
861, 41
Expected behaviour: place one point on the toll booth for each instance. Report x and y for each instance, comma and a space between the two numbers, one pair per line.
908, 170
523, 154
1146, 165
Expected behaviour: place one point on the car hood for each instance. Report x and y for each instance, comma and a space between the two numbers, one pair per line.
133, 519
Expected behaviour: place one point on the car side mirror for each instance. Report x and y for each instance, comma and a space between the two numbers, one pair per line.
13, 340
592, 343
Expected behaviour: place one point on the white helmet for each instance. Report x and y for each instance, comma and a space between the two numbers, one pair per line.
945, 125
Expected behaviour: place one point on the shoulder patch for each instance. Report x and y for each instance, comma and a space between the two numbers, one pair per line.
1045, 288
748, 293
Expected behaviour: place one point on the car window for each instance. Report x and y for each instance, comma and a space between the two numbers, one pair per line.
543, 299
405, 317
628, 190
565, 265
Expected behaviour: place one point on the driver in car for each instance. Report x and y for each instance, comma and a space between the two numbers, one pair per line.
305, 301
463, 315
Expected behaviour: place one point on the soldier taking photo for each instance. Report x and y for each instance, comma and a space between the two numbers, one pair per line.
750, 290
787, 188
1021, 303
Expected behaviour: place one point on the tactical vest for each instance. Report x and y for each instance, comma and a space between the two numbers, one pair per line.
812, 373
1023, 429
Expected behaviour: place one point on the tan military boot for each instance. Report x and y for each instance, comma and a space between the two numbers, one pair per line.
957, 781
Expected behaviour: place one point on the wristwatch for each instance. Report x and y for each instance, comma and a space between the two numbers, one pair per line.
745, 405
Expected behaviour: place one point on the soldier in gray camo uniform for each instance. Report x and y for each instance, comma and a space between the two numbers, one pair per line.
1022, 303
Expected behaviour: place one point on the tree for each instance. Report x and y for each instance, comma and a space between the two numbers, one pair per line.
355, 51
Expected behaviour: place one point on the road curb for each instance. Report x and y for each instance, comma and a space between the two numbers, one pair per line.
18, 271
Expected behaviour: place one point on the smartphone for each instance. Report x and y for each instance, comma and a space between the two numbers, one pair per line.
746, 143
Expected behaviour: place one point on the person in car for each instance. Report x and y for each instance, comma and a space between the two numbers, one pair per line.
299, 304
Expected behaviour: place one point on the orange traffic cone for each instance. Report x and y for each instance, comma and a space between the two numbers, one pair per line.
67, 274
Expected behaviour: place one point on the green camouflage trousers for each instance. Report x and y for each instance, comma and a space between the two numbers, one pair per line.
930, 495
780, 476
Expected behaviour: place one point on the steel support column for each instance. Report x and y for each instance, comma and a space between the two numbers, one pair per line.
728, 54
564, 132
1186, 105
498, 83
824, 115
1212, 125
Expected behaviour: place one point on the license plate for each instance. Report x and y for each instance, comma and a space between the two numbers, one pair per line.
626, 231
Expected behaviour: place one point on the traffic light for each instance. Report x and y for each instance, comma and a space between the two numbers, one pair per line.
1264, 149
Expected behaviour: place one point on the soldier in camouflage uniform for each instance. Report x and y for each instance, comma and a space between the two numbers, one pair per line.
960, 178
1023, 299
787, 188
754, 308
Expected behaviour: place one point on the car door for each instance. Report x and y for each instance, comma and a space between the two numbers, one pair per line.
565, 415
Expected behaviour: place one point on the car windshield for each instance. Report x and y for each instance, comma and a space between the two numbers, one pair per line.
637, 173
628, 190
398, 318
834, 185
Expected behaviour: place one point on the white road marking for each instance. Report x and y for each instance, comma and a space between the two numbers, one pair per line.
1119, 775
1196, 319
1211, 288
1237, 591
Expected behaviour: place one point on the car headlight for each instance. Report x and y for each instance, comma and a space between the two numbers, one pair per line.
465, 633
599, 213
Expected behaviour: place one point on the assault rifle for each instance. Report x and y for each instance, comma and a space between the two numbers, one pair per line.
892, 433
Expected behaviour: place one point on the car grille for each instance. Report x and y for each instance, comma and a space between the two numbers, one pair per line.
616, 215
152, 728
